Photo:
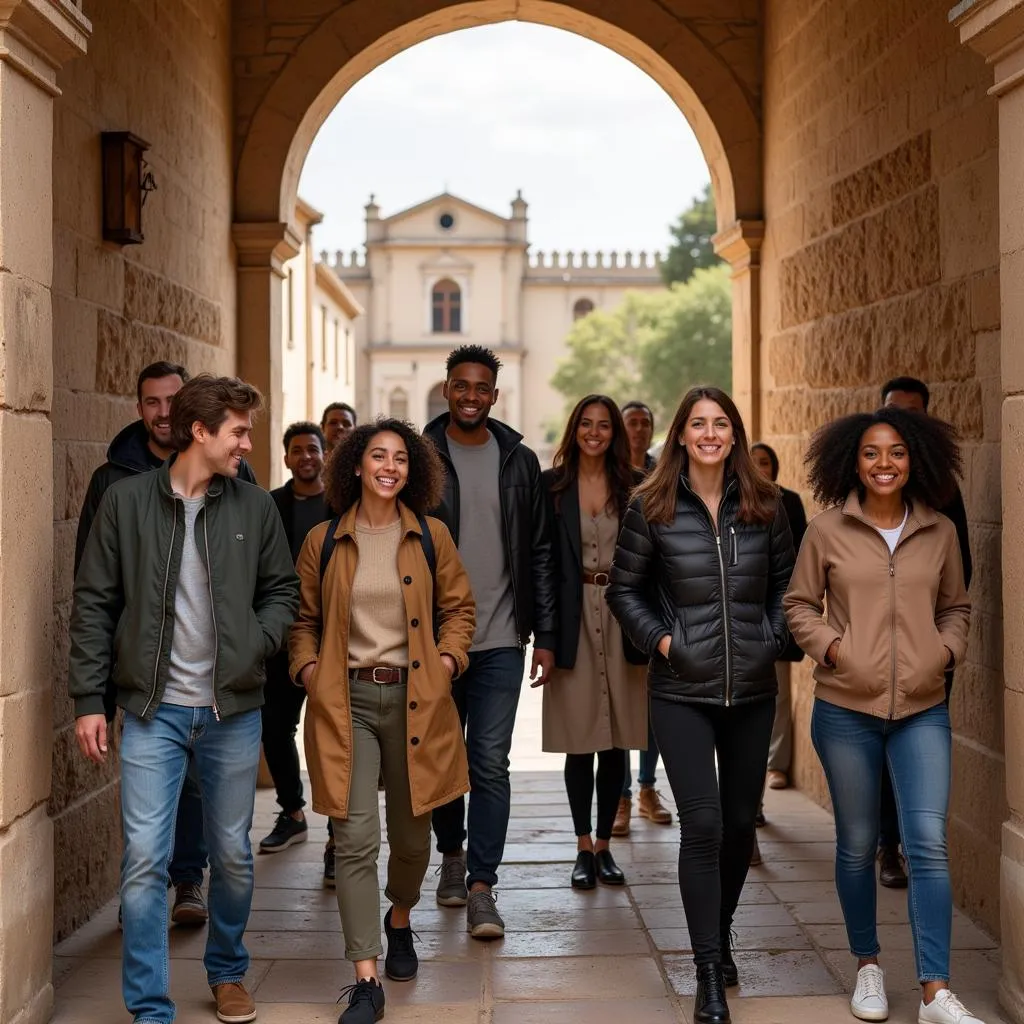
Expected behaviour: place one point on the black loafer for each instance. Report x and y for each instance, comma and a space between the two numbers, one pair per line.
608, 871
584, 872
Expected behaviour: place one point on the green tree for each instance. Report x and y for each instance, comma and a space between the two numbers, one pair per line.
691, 247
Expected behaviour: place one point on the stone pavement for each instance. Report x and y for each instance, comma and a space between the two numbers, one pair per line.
598, 957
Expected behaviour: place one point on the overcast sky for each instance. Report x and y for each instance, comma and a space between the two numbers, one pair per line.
603, 156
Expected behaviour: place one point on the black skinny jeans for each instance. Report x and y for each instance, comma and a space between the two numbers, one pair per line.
579, 785
281, 711
716, 811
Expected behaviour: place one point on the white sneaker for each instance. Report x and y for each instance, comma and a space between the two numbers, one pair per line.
945, 1008
868, 1001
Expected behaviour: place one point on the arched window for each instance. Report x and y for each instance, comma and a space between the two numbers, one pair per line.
436, 402
398, 404
446, 304
582, 308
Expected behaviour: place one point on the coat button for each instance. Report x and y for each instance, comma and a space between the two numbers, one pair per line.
415, 623
415, 741
412, 705
407, 580
415, 664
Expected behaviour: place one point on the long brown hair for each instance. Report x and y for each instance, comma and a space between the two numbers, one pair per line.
617, 468
660, 490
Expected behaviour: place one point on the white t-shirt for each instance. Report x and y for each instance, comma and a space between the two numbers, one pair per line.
892, 537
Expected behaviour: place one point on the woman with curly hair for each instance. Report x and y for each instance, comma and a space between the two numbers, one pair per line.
878, 600
595, 701
385, 622
702, 563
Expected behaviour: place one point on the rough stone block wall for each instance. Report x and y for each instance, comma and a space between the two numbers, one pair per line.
881, 258
162, 71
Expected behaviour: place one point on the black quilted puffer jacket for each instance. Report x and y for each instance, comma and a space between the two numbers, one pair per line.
718, 594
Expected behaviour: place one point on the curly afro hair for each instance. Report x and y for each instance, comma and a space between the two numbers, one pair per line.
935, 461
423, 488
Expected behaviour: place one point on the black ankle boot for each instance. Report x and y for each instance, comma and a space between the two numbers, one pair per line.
730, 974
709, 1006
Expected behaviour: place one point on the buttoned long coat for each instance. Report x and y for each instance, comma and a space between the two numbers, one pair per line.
436, 753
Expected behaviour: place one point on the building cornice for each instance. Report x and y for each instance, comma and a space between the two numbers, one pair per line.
337, 289
994, 29
37, 37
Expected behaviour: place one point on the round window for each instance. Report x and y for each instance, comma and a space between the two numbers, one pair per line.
447, 221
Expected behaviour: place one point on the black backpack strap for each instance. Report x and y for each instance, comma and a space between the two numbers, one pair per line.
427, 543
328, 546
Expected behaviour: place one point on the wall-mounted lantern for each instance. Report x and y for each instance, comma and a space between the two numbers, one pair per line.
125, 186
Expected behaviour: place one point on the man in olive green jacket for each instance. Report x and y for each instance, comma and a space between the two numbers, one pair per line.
186, 586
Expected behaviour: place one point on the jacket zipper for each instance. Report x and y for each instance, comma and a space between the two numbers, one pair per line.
163, 611
892, 635
213, 610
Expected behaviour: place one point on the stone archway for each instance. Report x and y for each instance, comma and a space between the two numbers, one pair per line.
709, 65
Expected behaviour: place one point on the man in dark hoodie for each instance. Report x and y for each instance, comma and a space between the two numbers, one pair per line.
142, 446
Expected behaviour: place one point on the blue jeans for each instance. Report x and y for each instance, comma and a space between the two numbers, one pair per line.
855, 749
648, 764
487, 696
189, 859
154, 763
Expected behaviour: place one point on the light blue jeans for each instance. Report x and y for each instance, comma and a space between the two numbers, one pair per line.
853, 748
154, 763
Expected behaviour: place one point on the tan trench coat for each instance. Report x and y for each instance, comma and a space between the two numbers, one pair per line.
438, 771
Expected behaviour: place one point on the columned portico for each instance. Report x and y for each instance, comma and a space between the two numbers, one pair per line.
995, 29
36, 38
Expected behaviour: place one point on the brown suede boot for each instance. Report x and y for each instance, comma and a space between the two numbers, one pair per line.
620, 827
234, 1004
651, 807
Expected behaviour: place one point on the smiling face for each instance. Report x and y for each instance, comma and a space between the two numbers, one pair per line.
384, 467
883, 461
305, 458
708, 436
224, 450
595, 432
471, 393
155, 407
639, 431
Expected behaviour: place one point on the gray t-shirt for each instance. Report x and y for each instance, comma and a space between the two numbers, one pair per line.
482, 543
190, 672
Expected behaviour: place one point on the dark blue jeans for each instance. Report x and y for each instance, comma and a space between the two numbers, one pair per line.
190, 854
855, 749
487, 696
648, 764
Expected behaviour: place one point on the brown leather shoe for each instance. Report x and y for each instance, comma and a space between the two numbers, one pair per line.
649, 806
620, 827
778, 780
891, 872
234, 1004
755, 854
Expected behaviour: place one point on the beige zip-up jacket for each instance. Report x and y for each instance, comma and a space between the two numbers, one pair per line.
895, 616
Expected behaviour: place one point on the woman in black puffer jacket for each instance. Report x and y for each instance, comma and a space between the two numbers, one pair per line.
702, 563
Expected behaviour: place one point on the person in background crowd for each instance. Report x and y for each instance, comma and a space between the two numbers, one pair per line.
337, 422
780, 752
383, 629
702, 563
912, 394
493, 504
639, 421
185, 588
302, 506
142, 446
595, 700
878, 600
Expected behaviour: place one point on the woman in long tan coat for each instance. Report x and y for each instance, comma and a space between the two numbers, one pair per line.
596, 700
385, 623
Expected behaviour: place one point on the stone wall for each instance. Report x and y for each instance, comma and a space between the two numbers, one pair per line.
162, 71
881, 258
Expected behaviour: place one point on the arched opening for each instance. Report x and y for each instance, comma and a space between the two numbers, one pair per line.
398, 404
446, 308
437, 404
582, 308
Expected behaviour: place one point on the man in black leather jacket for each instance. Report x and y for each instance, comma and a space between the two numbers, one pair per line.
494, 508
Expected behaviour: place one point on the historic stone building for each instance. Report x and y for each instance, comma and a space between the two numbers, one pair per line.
866, 158
446, 273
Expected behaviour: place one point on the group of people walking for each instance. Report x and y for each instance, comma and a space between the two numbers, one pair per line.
393, 586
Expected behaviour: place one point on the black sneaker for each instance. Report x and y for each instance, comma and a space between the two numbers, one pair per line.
329, 864
401, 963
286, 832
365, 1002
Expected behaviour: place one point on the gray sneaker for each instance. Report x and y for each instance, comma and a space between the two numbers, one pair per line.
482, 918
451, 890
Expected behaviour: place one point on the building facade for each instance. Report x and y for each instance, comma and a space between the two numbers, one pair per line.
446, 273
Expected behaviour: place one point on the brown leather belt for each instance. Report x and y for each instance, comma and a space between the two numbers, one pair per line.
598, 579
379, 674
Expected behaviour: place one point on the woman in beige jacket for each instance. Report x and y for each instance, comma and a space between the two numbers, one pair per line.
385, 622
877, 599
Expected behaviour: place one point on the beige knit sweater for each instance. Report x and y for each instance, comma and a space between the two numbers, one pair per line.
378, 634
